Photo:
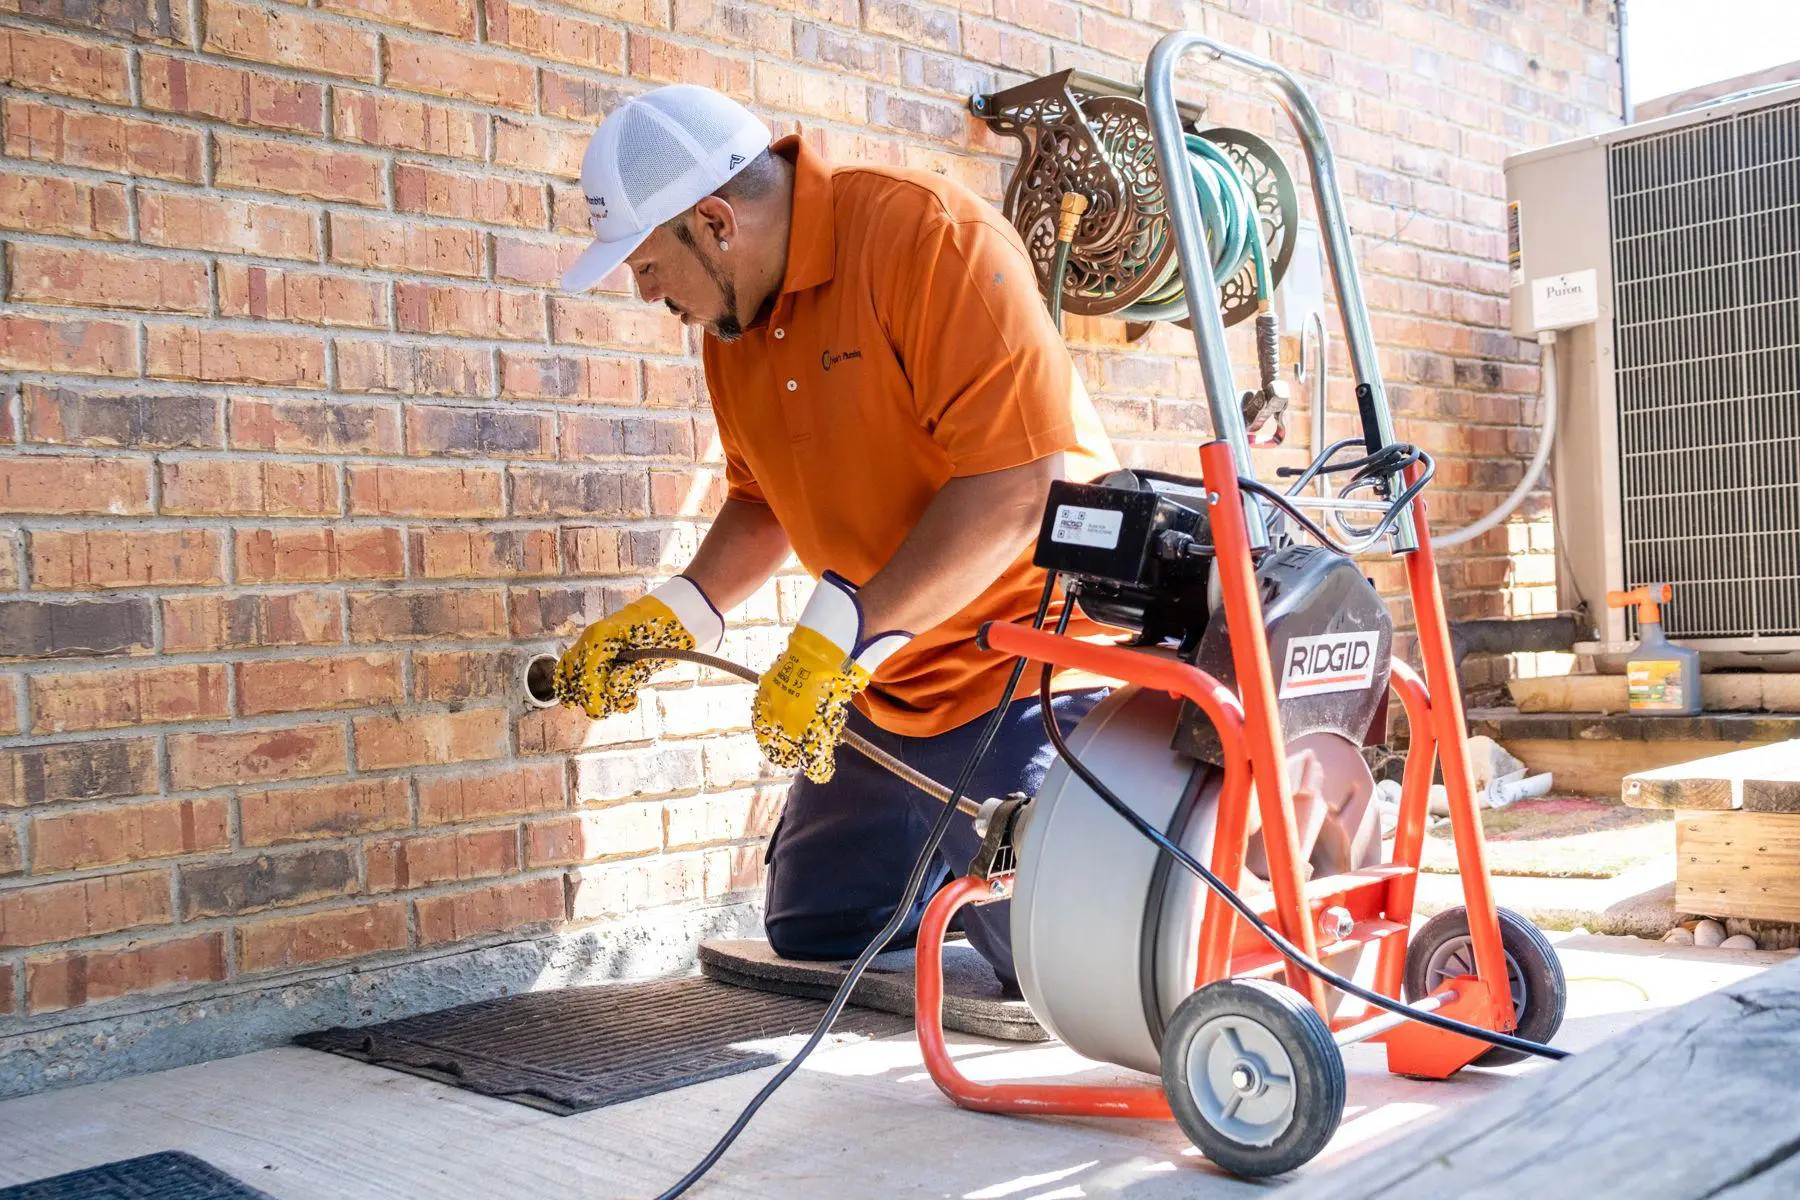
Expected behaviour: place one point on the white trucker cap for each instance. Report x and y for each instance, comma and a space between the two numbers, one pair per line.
653, 158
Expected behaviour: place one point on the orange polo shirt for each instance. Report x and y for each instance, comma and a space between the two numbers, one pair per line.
908, 346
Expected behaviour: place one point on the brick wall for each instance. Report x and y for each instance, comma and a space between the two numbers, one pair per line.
302, 453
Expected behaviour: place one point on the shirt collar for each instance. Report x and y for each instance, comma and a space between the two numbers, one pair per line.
812, 236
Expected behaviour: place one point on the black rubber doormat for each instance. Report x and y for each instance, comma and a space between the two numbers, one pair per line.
171, 1175
582, 1048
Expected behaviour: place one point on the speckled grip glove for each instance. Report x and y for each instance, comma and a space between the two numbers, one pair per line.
803, 700
676, 615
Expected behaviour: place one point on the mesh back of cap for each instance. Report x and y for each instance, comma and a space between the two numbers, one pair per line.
650, 157
702, 125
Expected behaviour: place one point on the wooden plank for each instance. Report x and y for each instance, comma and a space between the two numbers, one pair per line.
1738, 864
1748, 692
1605, 1122
1774, 791
1713, 783
1597, 767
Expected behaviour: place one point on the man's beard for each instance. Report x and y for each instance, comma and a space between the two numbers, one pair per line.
727, 327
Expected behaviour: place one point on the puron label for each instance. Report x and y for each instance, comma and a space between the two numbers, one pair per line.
1328, 662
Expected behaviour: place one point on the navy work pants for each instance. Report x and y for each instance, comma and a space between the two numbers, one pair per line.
842, 852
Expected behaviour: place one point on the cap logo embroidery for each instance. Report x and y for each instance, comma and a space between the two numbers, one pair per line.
737, 160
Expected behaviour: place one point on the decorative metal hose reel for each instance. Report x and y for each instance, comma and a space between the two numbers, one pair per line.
1084, 135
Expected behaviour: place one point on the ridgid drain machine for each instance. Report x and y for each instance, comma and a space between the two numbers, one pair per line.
1202, 871
1201, 875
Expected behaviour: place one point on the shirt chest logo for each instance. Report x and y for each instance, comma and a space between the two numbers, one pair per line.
828, 360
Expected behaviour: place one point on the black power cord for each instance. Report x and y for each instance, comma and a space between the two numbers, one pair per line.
914, 883
1274, 937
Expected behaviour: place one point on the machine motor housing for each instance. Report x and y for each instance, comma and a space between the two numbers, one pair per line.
1330, 644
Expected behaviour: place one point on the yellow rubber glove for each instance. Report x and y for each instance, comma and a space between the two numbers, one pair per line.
802, 701
676, 615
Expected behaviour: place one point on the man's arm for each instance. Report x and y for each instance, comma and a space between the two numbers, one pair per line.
973, 529
742, 550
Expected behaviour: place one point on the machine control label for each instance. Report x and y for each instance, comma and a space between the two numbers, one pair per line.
1087, 526
1329, 662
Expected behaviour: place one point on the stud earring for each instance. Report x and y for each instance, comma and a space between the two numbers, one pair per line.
724, 245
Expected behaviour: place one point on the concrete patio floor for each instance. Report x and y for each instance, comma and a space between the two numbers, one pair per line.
858, 1121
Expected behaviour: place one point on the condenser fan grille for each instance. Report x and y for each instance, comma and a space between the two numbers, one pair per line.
1706, 271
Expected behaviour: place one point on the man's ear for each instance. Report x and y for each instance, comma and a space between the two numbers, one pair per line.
716, 220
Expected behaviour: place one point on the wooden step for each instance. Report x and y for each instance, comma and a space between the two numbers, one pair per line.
1749, 692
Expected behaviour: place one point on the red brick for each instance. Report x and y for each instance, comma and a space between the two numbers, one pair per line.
45, 204
337, 933
56, 984
403, 123
103, 142
563, 731
66, 485
61, 912
544, 33
242, 622
233, 887
579, 321
198, 221
205, 89
461, 553
8, 1002
108, 837
203, 760
619, 889
104, 558
458, 676
420, 370
73, 347
430, 739
458, 194
535, 146
673, 385
256, 164
514, 791
289, 38
232, 486
519, 260
663, 61
404, 244
710, 820
9, 707
454, 17
105, 279
623, 831
319, 555
425, 491
479, 433
314, 427
809, 93
633, 12
590, 436
330, 810
577, 98
686, 493
69, 66
94, 770
497, 908
480, 312
397, 864
235, 356
579, 379
593, 492
562, 611
441, 70
303, 297
309, 684
736, 25
401, 616
12, 858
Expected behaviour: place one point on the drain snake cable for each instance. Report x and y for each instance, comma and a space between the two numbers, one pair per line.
954, 800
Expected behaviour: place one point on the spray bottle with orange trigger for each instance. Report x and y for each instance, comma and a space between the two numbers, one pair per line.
1660, 676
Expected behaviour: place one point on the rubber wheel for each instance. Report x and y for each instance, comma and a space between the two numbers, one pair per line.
1443, 949
1252, 1076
